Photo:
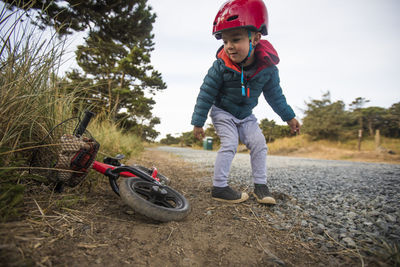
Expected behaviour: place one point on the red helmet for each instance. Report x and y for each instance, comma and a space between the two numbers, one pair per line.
250, 14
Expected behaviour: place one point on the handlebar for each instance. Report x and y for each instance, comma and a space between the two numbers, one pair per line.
113, 173
81, 128
117, 171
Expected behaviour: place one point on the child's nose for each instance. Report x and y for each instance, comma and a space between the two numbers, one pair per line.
229, 45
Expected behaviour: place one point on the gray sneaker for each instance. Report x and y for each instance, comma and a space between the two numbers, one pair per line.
227, 194
262, 194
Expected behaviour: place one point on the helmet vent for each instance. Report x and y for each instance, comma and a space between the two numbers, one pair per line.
232, 18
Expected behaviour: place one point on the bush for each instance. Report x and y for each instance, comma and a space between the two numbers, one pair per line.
324, 119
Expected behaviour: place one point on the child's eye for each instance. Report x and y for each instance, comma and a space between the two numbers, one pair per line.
235, 40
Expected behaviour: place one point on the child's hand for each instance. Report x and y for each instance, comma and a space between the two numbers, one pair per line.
198, 133
294, 126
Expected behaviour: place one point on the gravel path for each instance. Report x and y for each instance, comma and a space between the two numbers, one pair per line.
350, 204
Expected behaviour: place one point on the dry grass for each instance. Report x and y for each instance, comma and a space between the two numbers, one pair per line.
30, 97
112, 139
301, 146
49, 219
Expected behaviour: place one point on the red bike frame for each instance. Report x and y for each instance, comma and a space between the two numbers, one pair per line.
103, 167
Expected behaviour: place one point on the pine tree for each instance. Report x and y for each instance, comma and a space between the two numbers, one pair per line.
324, 119
115, 57
392, 121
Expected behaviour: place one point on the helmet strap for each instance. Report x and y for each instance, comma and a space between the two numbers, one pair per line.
250, 50
244, 89
244, 93
250, 44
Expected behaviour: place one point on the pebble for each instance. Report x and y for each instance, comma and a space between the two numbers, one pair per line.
390, 218
349, 242
351, 215
318, 230
129, 212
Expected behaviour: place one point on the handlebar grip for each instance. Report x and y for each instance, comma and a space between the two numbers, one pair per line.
81, 128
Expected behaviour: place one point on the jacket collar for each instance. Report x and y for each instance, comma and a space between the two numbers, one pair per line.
264, 51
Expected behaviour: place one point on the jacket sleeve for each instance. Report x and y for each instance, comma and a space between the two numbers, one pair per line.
208, 92
273, 94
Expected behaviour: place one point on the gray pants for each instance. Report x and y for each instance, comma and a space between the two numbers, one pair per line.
230, 130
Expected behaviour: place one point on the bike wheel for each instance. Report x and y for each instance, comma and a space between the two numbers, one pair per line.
161, 203
163, 179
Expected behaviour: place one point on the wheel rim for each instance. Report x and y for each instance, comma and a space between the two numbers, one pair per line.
158, 195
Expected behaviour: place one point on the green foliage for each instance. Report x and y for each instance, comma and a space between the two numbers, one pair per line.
113, 140
373, 119
170, 140
11, 189
143, 128
188, 139
324, 119
67, 16
357, 113
391, 127
11, 200
116, 61
358, 103
273, 131
32, 101
117, 75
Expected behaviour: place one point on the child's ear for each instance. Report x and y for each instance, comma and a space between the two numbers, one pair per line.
257, 38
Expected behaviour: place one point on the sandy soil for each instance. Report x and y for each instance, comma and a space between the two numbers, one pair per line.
90, 226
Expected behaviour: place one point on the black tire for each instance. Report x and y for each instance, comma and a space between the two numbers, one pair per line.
160, 203
163, 179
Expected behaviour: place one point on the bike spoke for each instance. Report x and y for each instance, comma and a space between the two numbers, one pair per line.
166, 204
153, 199
147, 191
143, 191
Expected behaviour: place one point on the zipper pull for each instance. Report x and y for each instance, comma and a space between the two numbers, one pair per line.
242, 82
248, 92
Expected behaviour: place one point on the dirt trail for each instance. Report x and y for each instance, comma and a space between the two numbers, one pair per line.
94, 228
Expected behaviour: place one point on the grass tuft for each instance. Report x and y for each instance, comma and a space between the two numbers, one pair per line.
113, 140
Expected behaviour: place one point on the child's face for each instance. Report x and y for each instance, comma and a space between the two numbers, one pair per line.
236, 45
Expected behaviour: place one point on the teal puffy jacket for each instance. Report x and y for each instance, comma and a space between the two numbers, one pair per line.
222, 87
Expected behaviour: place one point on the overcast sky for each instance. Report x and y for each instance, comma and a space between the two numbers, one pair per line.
349, 47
